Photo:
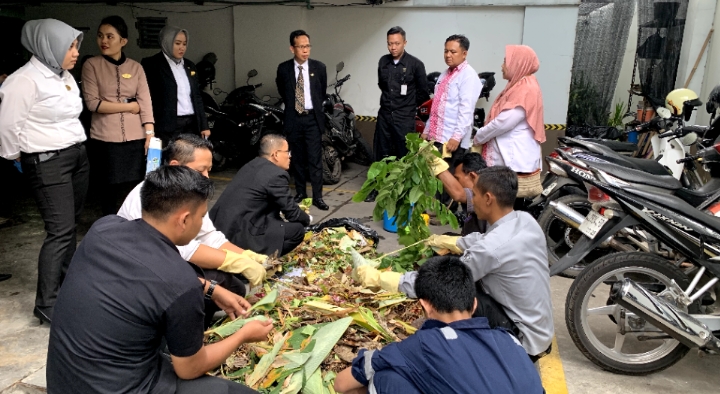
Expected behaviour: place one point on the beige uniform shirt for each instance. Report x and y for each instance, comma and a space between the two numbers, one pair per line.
105, 81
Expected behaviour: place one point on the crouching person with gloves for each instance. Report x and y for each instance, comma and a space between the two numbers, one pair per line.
508, 264
210, 250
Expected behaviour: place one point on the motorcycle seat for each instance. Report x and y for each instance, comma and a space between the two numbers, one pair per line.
678, 205
698, 196
617, 146
645, 165
636, 176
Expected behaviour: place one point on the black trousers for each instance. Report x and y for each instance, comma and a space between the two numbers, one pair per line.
294, 235
489, 308
184, 125
227, 281
305, 139
211, 384
59, 181
390, 132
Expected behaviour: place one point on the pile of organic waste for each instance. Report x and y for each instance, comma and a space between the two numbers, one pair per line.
322, 318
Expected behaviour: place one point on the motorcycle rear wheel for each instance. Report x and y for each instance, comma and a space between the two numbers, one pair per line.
561, 238
585, 322
332, 165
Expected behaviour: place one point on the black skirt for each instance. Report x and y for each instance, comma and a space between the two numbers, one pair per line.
117, 162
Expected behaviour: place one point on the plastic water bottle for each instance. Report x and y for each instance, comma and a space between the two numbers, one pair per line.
154, 154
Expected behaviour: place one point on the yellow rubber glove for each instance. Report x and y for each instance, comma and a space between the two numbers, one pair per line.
444, 242
476, 149
437, 164
256, 257
373, 279
238, 264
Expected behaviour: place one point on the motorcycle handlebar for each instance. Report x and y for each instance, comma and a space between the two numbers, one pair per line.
687, 159
668, 134
257, 86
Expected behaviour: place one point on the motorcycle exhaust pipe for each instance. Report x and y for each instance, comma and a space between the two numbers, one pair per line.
663, 315
568, 215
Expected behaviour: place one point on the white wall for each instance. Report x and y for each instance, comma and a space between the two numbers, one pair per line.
546, 31
209, 31
712, 70
357, 36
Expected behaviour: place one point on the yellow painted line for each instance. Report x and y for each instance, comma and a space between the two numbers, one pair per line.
551, 371
222, 178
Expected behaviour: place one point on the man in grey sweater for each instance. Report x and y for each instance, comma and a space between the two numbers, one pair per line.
508, 263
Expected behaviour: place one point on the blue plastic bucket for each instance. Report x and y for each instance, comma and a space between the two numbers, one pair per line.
632, 137
390, 224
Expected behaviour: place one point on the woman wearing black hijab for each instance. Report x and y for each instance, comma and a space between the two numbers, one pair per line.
177, 104
39, 127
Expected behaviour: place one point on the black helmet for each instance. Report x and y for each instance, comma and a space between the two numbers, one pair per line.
205, 72
489, 78
433, 77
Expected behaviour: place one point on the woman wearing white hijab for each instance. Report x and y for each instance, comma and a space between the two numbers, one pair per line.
39, 127
177, 104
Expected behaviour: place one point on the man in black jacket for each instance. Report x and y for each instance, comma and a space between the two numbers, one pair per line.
402, 80
172, 79
248, 211
302, 83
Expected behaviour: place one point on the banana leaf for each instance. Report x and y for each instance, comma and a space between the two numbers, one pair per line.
296, 359
325, 339
231, 327
263, 366
365, 319
314, 384
267, 303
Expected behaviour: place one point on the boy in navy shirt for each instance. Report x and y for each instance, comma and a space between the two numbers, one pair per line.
452, 352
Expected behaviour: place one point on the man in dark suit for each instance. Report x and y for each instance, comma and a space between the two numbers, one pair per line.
248, 211
302, 83
172, 79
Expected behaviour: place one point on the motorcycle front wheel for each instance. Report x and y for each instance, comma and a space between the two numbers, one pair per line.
332, 165
362, 153
610, 336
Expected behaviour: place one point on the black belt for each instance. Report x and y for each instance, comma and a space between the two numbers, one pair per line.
186, 116
39, 157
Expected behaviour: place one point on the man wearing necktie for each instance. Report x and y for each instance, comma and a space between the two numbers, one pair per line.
302, 83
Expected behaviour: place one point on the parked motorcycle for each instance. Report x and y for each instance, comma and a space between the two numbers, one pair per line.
238, 123
341, 139
640, 312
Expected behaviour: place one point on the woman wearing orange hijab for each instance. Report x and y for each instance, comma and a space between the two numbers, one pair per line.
515, 127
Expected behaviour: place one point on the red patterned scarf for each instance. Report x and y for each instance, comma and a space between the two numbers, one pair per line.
437, 112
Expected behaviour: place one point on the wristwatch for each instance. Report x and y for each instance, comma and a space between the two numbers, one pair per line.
211, 289
150, 132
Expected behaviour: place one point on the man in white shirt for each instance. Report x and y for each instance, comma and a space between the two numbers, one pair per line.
210, 249
456, 92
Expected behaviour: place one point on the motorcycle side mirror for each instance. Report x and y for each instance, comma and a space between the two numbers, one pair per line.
252, 73
663, 113
217, 91
266, 98
339, 67
327, 106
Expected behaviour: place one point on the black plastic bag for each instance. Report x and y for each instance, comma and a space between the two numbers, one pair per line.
350, 224
601, 132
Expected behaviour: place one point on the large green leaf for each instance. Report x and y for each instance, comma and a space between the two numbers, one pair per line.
326, 337
296, 382
266, 303
230, 328
314, 384
296, 359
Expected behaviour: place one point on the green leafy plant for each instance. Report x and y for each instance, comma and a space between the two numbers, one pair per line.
586, 105
616, 118
407, 189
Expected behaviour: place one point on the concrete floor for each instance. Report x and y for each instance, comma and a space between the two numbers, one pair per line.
23, 342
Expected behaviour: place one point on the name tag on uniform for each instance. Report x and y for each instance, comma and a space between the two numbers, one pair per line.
403, 90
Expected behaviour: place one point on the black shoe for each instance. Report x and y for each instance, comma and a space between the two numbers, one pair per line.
44, 317
5, 277
299, 197
372, 196
318, 202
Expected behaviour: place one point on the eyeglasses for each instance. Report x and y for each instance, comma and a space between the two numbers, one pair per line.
303, 47
287, 151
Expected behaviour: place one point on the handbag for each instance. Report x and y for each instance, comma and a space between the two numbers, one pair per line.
529, 184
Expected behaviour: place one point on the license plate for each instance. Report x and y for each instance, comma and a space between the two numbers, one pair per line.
592, 224
546, 192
